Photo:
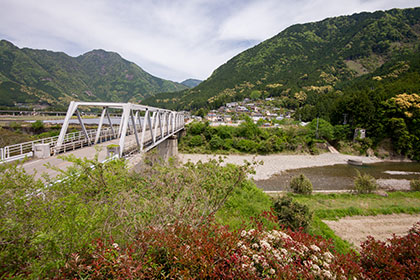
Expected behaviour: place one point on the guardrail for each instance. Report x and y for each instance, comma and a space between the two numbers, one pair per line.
72, 141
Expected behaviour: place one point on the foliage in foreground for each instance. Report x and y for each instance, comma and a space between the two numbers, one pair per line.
41, 226
107, 223
397, 258
212, 251
291, 214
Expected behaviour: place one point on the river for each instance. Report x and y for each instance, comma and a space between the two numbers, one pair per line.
341, 176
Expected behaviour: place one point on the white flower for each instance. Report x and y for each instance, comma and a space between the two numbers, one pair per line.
316, 268
284, 235
255, 246
304, 248
308, 263
315, 248
284, 251
115, 245
328, 257
314, 258
327, 274
272, 271
251, 232
243, 233
265, 245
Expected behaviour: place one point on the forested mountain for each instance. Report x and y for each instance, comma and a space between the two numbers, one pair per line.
307, 61
38, 77
191, 83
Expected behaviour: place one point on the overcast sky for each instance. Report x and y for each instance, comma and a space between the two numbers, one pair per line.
171, 39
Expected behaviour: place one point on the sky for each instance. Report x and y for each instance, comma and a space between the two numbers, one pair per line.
170, 39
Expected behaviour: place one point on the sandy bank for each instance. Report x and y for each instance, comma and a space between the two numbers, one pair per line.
273, 164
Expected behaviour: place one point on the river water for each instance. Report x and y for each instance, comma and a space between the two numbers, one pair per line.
341, 176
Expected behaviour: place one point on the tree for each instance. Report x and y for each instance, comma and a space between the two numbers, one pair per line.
255, 95
325, 129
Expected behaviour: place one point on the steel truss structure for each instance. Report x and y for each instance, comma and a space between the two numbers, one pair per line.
149, 130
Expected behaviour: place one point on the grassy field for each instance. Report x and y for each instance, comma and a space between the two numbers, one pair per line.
336, 206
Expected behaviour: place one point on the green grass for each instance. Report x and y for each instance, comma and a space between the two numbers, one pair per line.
245, 203
250, 201
318, 227
335, 206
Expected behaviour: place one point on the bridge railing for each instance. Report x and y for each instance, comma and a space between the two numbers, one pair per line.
72, 141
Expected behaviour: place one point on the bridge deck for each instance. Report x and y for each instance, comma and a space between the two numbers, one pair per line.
38, 166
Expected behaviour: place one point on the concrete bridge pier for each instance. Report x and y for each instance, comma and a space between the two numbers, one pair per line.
168, 148
160, 154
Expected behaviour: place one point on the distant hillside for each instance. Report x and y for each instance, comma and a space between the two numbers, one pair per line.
31, 78
191, 83
306, 62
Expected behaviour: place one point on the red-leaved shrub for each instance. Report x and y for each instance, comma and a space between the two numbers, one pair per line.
398, 258
211, 251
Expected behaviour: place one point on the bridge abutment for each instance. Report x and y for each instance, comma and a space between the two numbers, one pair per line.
160, 154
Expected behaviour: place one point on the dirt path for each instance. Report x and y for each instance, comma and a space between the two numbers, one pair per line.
357, 228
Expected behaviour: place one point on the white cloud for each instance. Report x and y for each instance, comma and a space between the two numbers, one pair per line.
172, 39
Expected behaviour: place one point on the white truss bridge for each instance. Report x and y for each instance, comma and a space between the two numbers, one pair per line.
149, 126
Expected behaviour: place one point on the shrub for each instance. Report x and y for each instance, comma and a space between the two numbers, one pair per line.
325, 129
245, 145
225, 132
196, 128
216, 142
196, 140
364, 183
415, 185
365, 144
301, 184
292, 214
41, 226
210, 251
397, 258
248, 129
37, 126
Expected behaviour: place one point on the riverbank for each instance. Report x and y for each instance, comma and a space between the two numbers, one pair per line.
274, 164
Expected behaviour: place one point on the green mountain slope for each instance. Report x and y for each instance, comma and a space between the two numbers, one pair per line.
37, 77
313, 59
191, 83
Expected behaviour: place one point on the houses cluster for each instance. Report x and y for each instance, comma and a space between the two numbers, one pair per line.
256, 110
